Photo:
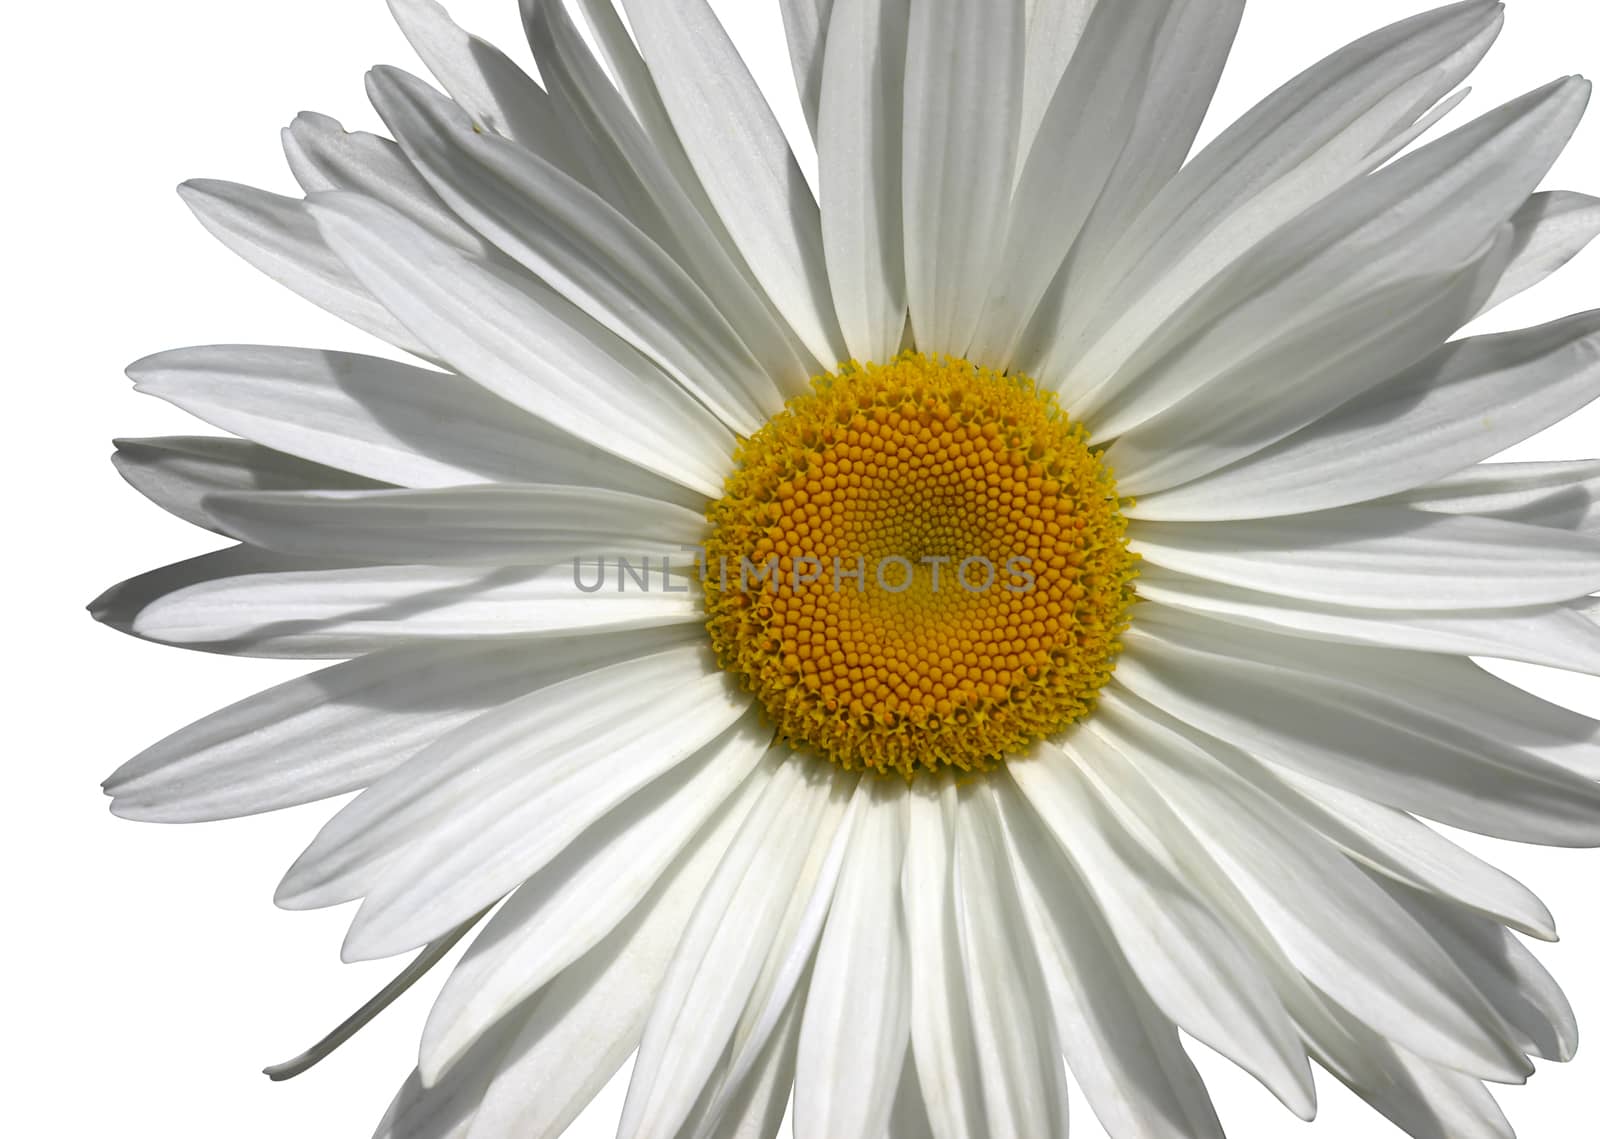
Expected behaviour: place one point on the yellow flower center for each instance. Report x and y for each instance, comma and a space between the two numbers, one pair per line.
919, 565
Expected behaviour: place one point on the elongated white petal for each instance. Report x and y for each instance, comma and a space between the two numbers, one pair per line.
1464, 403
575, 902
757, 1109
1299, 145
1019, 1057
1508, 975
526, 344
1124, 1052
720, 958
1358, 946
340, 729
909, 1120
499, 95
807, 24
859, 150
963, 102
325, 157
178, 472
1192, 964
758, 191
579, 244
1338, 361
1429, 212
1381, 556
1564, 495
942, 1042
278, 236
580, 1028
1333, 715
1552, 228
484, 808
472, 525
633, 124
857, 1019
1055, 29
1078, 143
278, 607
1554, 635
384, 420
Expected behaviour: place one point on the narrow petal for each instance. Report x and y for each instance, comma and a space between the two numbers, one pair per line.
259, 604
1019, 1056
383, 420
859, 149
278, 236
576, 242
1299, 145
1190, 961
759, 192
1563, 495
807, 26
1557, 636
340, 729
720, 958
429, 841
472, 525
177, 472
1125, 1053
963, 101
1382, 557
571, 905
857, 1020
1552, 228
1055, 29
1470, 400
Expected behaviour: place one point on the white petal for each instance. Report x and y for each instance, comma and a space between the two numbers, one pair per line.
1356, 944
859, 150
1079, 141
743, 161
1470, 400
1382, 556
340, 729
857, 1019
1191, 962
481, 810
498, 94
963, 100
1430, 212
807, 25
178, 472
1552, 229
381, 419
1019, 1058
1300, 144
576, 901
280, 608
1339, 716
471, 525
942, 1041
757, 1110
1508, 975
719, 961
910, 1117
278, 236
1124, 1052
581, 1027
1564, 495
633, 124
576, 242
525, 343
1055, 28
1554, 635
1304, 375
324, 156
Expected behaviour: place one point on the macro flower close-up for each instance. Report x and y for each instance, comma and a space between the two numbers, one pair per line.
885, 633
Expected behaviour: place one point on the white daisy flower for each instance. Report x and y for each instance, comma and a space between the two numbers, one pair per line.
1016, 603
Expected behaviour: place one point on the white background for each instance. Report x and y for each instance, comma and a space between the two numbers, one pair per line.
147, 977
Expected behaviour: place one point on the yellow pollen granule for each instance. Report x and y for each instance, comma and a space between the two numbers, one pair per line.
919, 565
